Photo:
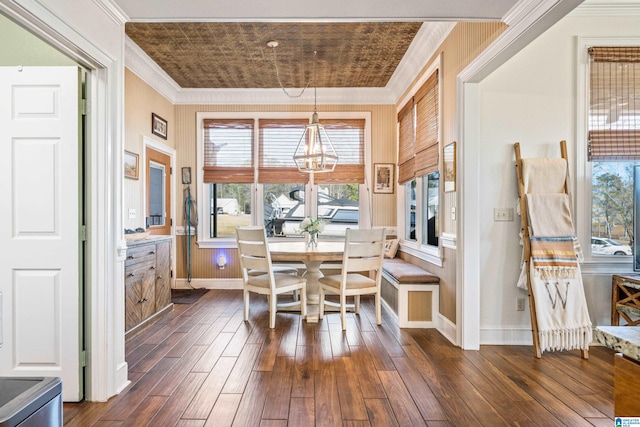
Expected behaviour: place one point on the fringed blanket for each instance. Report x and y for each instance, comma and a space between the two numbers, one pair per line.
555, 251
553, 257
561, 310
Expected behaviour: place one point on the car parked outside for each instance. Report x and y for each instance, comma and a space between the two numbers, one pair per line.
602, 246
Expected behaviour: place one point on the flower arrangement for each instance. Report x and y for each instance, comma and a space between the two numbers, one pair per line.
312, 227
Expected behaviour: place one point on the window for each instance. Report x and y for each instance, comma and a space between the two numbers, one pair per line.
613, 146
418, 165
250, 177
430, 204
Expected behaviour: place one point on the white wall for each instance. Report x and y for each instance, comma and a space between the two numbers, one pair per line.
530, 99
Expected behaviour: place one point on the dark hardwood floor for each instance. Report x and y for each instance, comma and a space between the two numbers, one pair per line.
201, 365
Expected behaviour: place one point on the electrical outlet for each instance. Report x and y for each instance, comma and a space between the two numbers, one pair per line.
503, 214
520, 304
132, 213
453, 213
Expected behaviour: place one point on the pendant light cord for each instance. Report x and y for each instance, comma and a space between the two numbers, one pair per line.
273, 46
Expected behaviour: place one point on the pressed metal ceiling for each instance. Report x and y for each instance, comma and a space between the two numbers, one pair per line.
235, 54
222, 44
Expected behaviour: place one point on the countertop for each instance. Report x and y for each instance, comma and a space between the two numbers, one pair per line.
623, 339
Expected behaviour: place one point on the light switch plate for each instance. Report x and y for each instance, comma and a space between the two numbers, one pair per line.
132, 213
503, 214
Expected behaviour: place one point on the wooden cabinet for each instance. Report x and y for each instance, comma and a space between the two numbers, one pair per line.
147, 271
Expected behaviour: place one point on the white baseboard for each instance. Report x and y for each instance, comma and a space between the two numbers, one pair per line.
447, 328
209, 284
499, 335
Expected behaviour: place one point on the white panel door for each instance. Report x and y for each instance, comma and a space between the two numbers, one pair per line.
39, 225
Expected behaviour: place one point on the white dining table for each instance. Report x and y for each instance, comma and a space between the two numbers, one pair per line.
312, 257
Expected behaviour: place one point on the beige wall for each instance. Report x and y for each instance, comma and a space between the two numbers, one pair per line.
383, 150
139, 102
465, 42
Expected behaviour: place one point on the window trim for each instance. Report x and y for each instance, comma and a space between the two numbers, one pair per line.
428, 253
204, 241
602, 264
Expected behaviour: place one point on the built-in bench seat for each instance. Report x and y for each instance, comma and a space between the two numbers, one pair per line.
411, 293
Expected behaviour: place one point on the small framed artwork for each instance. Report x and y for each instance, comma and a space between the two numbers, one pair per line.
131, 165
383, 178
186, 175
449, 159
158, 126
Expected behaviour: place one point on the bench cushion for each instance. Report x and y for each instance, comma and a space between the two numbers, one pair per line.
405, 272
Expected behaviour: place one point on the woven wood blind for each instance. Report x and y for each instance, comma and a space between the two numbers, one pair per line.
278, 141
228, 151
406, 138
347, 137
614, 105
426, 144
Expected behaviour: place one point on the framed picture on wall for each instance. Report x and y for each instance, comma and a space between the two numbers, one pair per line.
131, 166
158, 126
383, 178
449, 165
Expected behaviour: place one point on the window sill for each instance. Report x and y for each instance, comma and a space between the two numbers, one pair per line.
607, 266
428, 254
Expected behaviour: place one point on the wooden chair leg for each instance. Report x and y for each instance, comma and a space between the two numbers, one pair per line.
356, 302
343, 311
378, 309
246, 304
272, 311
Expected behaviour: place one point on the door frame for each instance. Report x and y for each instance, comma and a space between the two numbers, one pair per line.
171, 152
106, 372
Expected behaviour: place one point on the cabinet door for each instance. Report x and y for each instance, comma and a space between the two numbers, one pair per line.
163, 275
148, 294
132, 292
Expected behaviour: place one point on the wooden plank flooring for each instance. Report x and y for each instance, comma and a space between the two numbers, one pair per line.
201, 365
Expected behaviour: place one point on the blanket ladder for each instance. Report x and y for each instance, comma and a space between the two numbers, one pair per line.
526, 244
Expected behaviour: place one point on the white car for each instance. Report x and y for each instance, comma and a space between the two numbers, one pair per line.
601, 246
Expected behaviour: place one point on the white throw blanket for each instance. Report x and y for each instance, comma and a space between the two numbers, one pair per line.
544, 175
561, 310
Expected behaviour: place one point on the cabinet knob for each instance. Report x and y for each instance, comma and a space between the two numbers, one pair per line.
140, 301
131, 274
130, 257
152, 252
160, 277
152, 267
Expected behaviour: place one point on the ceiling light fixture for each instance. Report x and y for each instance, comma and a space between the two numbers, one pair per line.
315, 152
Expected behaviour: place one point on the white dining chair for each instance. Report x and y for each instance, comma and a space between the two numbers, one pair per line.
363, 252
254, 255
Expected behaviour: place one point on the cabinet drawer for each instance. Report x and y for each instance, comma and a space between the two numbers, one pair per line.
139, 271
141, 254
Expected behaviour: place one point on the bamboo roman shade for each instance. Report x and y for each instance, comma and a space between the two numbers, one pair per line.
426, 145
614, 104
278, 141
228, 150
418, 120
406, 158
347, 137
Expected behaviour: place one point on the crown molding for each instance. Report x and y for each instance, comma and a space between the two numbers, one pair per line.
427, 40
113, 11
600, 8
276, 96
136, 60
